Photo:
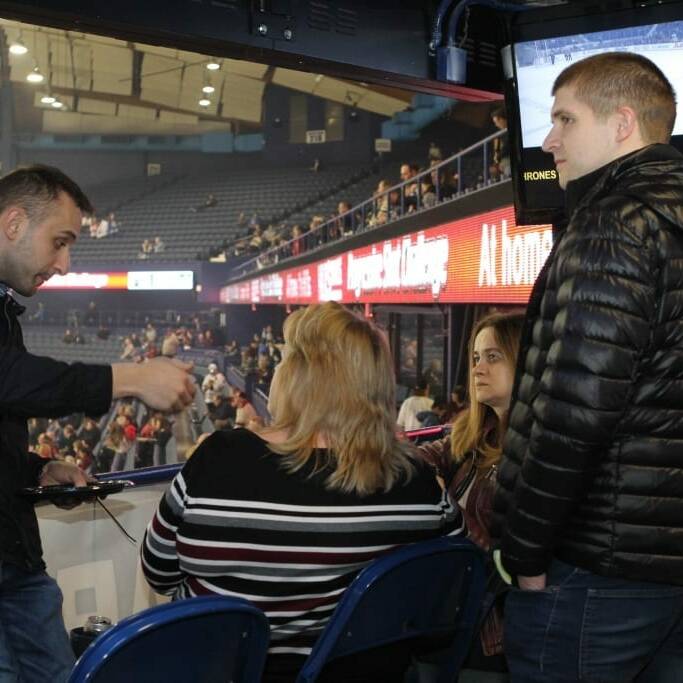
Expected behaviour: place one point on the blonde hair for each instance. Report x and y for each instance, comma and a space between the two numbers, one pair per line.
472, 429
611, 80
336, 381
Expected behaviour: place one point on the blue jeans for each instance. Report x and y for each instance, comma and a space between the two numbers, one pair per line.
585, 627
34, 645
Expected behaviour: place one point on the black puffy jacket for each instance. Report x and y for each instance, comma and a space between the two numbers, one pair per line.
593, 459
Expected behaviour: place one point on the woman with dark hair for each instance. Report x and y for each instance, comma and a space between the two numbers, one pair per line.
467, 460
288, 517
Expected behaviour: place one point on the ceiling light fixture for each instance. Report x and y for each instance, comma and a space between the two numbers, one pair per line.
17, 47
48, 99
35, 76
204, 102
208, 89
213, 65
57, 104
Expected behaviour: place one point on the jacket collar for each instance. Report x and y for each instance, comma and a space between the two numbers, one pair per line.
12, 304
587, 187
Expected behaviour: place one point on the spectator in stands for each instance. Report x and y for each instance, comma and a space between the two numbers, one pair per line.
150, 333
418, 402
269, 236
408, 172
206, 204
68, 337
344, 218
316, 165
158, 246
435, 415
434, 153
170, 344
256, 242
83, 455
327, 450
93, 226
274, 353
91, 315
222, 412
297, 244
113, 223
215, 382
500, 167
89, 432
112, 455
156, 432
128, 350
102, 229
427, 193
130, 430
444, 181
264, 372
383, 205
232, 353
457, 403
146, 249
66, 439
38, 316
467, 459
46, 447
36, 426
244, 411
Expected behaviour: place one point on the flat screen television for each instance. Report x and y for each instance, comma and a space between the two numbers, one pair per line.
543, 43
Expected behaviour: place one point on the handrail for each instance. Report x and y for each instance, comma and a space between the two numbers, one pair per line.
321, 235
147, 476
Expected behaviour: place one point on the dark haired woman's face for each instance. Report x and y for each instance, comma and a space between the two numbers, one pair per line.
493, 373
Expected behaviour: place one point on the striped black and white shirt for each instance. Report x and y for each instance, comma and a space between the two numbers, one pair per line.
235, 522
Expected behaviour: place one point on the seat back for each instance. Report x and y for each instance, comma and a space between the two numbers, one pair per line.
428, 591
209, 639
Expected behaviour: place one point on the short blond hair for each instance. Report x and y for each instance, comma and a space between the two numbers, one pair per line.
336, 380
611, 80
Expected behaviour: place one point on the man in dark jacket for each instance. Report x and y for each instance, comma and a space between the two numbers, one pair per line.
590, 495
40, 218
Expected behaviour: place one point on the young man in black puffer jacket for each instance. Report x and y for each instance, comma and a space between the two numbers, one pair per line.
590, 491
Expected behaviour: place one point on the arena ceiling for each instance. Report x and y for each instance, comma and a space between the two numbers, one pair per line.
111, 86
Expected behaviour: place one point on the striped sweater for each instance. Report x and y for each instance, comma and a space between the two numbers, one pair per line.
235, 522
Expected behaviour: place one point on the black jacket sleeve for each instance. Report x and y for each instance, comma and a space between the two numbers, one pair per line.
35, 386
606, 301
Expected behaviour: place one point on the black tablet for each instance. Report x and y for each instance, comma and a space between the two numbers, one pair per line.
65, 494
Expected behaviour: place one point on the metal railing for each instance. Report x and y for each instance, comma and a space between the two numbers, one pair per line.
469, 170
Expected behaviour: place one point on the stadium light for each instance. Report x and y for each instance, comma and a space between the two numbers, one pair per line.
17, 47
35, 76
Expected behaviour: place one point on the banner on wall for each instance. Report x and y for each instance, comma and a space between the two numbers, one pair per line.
139, 280
485, 258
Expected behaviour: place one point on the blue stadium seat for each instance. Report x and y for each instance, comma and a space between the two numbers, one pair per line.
426, 592
209, 639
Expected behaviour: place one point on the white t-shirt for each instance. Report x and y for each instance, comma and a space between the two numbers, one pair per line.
407, 415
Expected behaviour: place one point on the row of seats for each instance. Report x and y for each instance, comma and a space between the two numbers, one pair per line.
168, 211
216, 638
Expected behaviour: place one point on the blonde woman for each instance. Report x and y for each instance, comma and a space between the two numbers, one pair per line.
286, 518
